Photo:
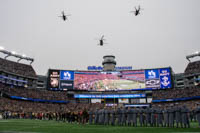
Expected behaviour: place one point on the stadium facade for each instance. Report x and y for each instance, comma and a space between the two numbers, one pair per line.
110, 87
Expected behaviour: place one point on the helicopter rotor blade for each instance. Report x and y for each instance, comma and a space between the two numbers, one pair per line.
102, 37
135, 8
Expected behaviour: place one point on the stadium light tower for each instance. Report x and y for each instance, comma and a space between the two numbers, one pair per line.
192, 55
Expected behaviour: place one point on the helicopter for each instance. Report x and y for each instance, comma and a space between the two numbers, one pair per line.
137, 11
101, 41
64, 17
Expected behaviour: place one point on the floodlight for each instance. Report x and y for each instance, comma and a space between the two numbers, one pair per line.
2, 48
13, 52
23, 55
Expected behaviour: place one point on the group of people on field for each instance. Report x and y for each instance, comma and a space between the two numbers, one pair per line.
154, 117
171, 116
80, 117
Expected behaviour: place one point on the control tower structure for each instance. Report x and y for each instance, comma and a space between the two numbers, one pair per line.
109, 63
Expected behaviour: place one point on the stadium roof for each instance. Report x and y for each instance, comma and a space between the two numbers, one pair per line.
192, 55
14, 54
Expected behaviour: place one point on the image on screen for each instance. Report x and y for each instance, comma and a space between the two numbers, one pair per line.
145, 79
54, 76
102, 81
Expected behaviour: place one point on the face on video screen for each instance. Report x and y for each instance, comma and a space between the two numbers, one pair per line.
54, 82
54, 76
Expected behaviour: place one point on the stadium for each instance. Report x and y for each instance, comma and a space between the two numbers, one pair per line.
98, 97
99, 66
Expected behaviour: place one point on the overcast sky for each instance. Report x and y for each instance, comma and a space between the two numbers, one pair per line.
161, 36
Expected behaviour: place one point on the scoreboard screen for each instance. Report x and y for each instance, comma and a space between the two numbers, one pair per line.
146, 79
60, 80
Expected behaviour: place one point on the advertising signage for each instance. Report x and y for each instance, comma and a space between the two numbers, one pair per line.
102, 96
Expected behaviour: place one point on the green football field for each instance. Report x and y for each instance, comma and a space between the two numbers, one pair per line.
43, 126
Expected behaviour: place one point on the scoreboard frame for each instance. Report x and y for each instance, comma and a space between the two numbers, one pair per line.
155, 79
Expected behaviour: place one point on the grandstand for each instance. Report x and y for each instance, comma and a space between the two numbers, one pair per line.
23, 93
186, 89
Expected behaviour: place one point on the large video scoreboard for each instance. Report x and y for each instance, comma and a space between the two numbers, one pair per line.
146, 79
60, 80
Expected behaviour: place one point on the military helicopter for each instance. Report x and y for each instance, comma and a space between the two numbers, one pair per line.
64, 17
101, 41
137, 11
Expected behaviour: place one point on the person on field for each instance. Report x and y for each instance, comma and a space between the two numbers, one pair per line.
197, 111
90, 116
113, 116
184, 115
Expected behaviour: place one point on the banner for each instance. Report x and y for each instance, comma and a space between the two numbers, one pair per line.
99, 96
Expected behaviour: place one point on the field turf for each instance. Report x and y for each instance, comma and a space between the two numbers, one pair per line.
44, 126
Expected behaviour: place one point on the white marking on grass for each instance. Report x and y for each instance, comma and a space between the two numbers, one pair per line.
4, 121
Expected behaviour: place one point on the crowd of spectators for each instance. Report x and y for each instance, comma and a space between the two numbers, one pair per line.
89, 81
71, 112
98, 81
176, 93
19, 106
191, 104
17, 68
193, 67
33, 93
137, 75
